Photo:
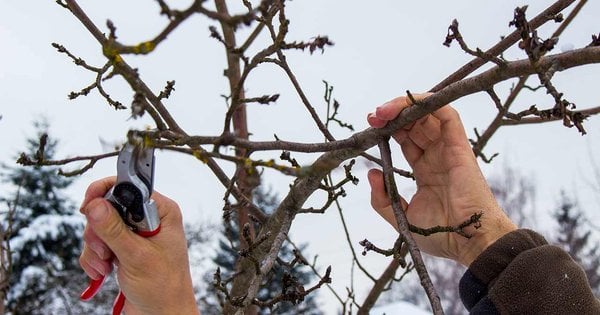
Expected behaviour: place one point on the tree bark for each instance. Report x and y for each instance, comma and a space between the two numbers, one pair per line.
240, 129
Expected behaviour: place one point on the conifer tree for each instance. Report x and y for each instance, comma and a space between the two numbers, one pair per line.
45, 236
227, 256
578, 240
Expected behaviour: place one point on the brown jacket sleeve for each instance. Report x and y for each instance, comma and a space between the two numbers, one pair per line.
521, 274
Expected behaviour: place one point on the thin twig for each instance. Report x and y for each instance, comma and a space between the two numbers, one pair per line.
121, 67
27, 161
454, 34
379, 286
498, 121
535, 120
350, 243
316, 272
403, 227
503, 45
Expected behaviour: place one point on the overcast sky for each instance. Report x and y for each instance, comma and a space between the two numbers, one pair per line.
382, 48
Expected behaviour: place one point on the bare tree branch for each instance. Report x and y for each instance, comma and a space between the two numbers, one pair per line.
379, 286
403, 227
121, 67
503, 45
262, 247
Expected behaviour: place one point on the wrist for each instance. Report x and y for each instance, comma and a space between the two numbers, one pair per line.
493, 227
187, 302
177, 295
184, 306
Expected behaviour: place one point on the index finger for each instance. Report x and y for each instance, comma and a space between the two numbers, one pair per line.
391, 109
167, 208
98, 189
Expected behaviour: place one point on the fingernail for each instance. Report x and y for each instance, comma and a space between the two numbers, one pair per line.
382, 107
93, 274
97, 211
386, 104
370, 173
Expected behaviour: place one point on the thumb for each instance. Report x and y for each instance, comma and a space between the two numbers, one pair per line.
109, 227
379, 196
380, 201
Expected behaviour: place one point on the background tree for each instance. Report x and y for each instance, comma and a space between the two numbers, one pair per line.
5, 252
239, 35
292, 267
45, 238
577, 238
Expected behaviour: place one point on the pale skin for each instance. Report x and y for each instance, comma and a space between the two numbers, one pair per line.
450, 186
154, 272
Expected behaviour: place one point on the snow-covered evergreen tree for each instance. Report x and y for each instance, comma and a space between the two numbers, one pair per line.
45, 237
226, 258
575, 237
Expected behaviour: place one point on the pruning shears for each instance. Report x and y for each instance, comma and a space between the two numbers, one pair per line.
130, 196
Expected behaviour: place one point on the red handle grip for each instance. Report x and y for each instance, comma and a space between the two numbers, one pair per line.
92, 289
96, 284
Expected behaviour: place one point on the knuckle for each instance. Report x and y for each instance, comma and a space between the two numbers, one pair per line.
87, 269
88, 235
453, 112
171, 204
99, 187
172, 209
177, 216
374, 204
401, 99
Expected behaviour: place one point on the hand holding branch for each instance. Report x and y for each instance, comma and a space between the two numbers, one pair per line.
450, 186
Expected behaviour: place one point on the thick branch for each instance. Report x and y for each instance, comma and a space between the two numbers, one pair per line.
275, 229
359, 140
280, 221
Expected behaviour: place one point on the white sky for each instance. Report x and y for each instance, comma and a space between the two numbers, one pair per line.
382, 48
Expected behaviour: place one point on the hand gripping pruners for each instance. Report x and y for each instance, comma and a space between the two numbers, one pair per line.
130, 196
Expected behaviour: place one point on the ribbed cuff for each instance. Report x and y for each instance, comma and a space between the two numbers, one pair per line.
494, 259
474, 284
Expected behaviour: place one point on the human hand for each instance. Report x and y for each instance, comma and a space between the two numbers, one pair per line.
153, 272
450, 185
